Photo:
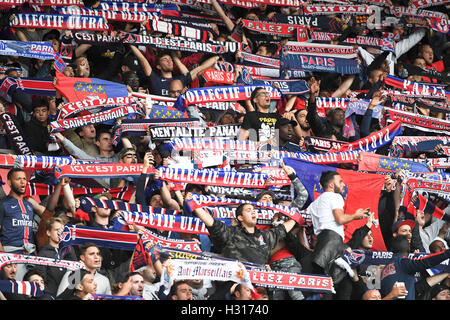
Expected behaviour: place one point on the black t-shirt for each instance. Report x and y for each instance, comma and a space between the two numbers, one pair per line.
263, 123
160, 86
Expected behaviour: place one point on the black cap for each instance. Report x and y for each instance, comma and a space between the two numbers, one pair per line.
436, 289
131, 62
52, 34
283, 122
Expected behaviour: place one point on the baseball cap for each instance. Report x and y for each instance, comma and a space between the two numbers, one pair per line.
283, 122
131, 62
400, 223
436, 289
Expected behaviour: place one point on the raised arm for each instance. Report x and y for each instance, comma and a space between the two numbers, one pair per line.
205, 65
167, 198
228, 23
180, 65
346, 84
146, 67
73, 149
206, 218
143, 179
81, 49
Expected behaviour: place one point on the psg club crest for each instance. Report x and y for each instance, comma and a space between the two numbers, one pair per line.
67, 234
356, 257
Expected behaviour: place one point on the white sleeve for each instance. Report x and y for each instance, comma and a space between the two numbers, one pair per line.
336, 201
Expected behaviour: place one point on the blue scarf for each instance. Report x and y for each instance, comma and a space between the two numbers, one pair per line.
359, 257
87, 203
114, 239
21, 287
293, 86
334, 59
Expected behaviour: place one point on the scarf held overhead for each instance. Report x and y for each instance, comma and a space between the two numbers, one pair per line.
59, 21
417, 121
104, 116
319, 58
226, 93
14, 258
199, 201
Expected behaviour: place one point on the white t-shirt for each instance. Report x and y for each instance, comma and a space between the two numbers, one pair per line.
151, 291
321, 211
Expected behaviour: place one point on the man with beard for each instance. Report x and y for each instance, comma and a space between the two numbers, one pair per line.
16, 219
328, 218
303, 129
16, 216
335, 117
244, 241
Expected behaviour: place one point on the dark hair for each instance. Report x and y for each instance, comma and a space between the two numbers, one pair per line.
254, 93
174, 288
162, 54
11, 172
89, 3
124, 277
237, 288
125, 150
154, 193
77, 130
69, 292
99, 132
422, 47
83, 273
39, 102
326, 177
191, 186
240, 208
130, 78
34, 271
87, 245
270, 47
400, 244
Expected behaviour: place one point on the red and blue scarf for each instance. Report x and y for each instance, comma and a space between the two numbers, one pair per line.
109, 238
417, 121
59, 21
317, 57
21, 287
199, 201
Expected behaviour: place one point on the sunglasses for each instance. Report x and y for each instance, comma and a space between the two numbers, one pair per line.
264, 94
130, 155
